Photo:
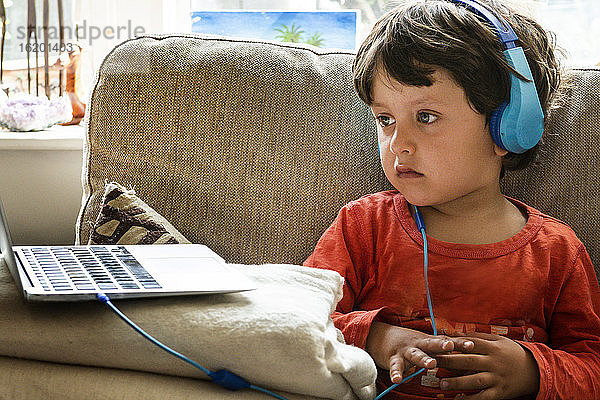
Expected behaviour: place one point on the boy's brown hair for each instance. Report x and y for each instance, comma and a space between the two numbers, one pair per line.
412, 40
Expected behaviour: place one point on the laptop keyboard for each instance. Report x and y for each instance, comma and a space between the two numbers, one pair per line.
89, 268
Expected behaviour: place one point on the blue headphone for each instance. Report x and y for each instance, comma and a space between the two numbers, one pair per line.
517, 124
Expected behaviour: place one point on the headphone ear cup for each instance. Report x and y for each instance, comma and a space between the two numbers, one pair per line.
495, 120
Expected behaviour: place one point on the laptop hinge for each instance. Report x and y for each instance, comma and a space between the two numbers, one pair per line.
22, 265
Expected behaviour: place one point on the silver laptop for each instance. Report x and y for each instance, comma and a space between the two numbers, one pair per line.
75, 273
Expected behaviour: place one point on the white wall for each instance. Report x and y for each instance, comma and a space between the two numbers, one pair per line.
40, 188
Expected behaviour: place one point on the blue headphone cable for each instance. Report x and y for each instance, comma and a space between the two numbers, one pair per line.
222, 377
421, 228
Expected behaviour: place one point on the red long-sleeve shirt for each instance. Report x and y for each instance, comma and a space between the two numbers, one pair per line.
537, 288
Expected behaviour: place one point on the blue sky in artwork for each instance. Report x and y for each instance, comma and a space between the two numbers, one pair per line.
337, 29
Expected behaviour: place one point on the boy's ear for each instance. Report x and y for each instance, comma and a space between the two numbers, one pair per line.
499, 150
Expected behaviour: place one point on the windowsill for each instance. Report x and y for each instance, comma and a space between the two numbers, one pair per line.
57, 137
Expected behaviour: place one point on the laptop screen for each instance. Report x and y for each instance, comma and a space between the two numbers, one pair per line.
7, 248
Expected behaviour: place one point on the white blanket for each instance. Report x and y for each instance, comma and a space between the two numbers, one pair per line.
279, 336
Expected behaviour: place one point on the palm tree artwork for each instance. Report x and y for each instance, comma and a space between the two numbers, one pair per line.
293, 34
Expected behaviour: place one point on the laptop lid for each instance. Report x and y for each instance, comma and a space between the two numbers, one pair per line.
6, 247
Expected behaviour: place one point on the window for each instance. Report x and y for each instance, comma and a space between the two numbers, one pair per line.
16, 28
576, 24
15, 46
95, 26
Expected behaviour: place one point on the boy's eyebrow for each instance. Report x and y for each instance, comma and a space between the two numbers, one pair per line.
376, 104
422, 100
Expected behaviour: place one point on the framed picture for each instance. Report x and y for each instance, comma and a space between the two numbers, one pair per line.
326, 29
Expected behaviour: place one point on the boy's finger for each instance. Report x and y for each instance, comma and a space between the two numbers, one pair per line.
435, 345
464, 344
396, 368
419, 358
482, 335
440, 345
478, 381
474, 344
466, 362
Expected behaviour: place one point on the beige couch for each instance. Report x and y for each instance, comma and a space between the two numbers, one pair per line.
251, 148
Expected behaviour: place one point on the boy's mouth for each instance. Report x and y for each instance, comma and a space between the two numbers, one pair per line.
406, 172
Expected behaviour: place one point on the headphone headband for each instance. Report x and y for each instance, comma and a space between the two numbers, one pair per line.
505, 33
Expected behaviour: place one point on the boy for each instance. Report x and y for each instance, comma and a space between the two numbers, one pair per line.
515, 297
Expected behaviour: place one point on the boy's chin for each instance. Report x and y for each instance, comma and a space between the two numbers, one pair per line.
414, 197
415, 200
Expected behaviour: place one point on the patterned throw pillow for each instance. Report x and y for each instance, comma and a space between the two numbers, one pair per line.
125, 219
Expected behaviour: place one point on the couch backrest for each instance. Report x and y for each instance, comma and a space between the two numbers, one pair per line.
248, 147
566, 183
252, 147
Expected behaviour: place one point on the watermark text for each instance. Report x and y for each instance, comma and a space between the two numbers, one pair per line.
85, 32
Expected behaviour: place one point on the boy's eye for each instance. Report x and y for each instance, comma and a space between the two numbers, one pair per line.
384, 120
426, 118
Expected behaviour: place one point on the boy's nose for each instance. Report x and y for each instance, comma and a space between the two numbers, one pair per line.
401, 142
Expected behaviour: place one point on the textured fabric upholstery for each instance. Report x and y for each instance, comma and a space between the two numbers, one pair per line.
250, 148
54, 381
566, 183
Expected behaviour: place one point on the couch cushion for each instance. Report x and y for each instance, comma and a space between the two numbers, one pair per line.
108, 383
566, 184
248, 147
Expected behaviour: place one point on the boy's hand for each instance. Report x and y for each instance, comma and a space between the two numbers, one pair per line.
398, 349
503, 369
